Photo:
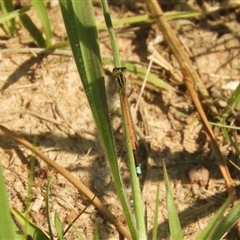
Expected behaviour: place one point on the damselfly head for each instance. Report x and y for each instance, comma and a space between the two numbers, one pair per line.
120, 78
119, 70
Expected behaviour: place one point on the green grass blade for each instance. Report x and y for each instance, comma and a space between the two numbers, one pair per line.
233, 105
228, 221
148, 18
96, 235
174, 223
211, 228
83, 40
107, 17
32, 29
31, 177
75, 219
77, 232
138, 206
151, 78
7, 6
7, 226
155, 224
43, 15
48, 211
14, 14
158, 83
32, 230
82, 33
155, 81
58, 225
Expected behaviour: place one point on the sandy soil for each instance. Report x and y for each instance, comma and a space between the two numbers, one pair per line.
43, 100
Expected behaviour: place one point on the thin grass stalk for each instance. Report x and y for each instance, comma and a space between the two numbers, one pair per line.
138, 206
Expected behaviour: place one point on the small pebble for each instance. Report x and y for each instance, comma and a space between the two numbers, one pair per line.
199, 174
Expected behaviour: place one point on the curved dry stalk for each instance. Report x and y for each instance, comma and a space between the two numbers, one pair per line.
75, 181
192, 81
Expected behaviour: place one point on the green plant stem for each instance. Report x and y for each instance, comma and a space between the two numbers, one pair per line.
108, 21
138, 207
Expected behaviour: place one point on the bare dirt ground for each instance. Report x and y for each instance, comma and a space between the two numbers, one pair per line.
43, 99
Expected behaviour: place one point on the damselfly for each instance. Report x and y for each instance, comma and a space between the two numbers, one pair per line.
121, 85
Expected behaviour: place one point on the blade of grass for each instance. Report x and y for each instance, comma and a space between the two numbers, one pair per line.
157, 83
141, 72
30, 186
211, 123
7, 6
174, 223
6, 222
223, 127
150, 18
138, 206
39, 5
58, 225
78, 233
32, 29
75, 219
151, 78
155, 223
48, 210
228, 221
13, 14
96, 235
233, 104
81, 28
32, 229
211, 228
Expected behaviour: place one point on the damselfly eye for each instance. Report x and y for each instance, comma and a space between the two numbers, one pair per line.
119, 70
